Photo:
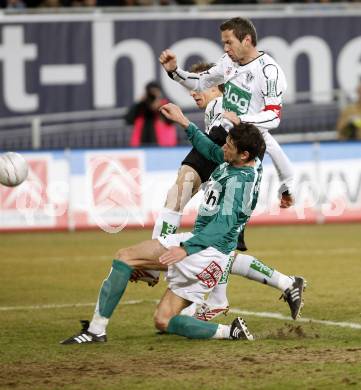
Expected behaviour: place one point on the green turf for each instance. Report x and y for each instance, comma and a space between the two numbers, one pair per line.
54, 268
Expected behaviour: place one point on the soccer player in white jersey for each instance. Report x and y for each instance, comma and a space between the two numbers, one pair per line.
254, 86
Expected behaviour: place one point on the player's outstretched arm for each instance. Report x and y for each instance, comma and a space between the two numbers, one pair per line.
204, 145
174, 113
192, 81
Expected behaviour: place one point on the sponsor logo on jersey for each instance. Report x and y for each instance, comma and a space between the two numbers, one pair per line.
236, 99
211, 274
212, 193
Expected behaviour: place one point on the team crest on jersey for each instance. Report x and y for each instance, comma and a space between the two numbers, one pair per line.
249, 77
211, 274
228, 71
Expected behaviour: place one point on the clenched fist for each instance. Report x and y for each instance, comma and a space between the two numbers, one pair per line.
175, 114
169, 60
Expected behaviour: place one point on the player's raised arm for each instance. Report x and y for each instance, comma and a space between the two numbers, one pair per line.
192, 81
199, 140
168, 59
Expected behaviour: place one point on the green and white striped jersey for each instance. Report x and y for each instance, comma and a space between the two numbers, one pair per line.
230, 197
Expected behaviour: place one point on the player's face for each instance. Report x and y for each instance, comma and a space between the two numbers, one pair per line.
202, 98
232, 46
230, 151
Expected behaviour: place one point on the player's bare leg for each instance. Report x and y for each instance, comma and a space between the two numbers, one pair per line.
143, 255
167, 319
169, 306
186, 185
168, 221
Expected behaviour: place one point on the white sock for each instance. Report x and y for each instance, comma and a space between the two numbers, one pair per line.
98, 324
222, 332
251, 268
167, 222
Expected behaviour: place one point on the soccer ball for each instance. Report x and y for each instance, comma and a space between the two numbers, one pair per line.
13, 169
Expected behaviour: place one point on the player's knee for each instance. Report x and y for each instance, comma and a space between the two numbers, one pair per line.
123, 255
161, 321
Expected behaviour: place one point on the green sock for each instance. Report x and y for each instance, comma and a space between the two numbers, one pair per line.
191, 327
113, 288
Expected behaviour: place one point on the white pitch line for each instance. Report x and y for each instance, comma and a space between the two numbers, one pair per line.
314, 252
276, 316
68, 305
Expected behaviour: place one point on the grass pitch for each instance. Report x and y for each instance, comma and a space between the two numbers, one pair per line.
49, 281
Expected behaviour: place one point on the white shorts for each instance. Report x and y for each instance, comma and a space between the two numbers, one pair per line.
197, 274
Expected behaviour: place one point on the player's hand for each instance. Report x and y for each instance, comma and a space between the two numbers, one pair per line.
173, 255
168, 59
231, 116
174, 113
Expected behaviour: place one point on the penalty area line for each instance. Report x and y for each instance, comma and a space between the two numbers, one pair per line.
276, 316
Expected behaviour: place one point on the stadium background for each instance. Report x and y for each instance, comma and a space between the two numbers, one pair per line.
67, 76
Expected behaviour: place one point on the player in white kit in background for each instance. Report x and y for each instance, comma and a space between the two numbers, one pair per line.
254, 85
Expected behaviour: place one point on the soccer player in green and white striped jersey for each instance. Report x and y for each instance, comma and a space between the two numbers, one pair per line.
195, 262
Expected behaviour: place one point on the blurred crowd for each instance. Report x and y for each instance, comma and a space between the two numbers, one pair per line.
20, 4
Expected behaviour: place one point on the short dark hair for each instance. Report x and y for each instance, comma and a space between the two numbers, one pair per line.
246, 137
200, 67
241, 27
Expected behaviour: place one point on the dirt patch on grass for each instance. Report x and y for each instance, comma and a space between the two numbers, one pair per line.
35, 375
287, 332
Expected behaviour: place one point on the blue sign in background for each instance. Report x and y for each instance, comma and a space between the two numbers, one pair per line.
73, 42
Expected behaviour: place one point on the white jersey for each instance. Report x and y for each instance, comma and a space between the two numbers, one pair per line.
213, 117
213, 114
253, 91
